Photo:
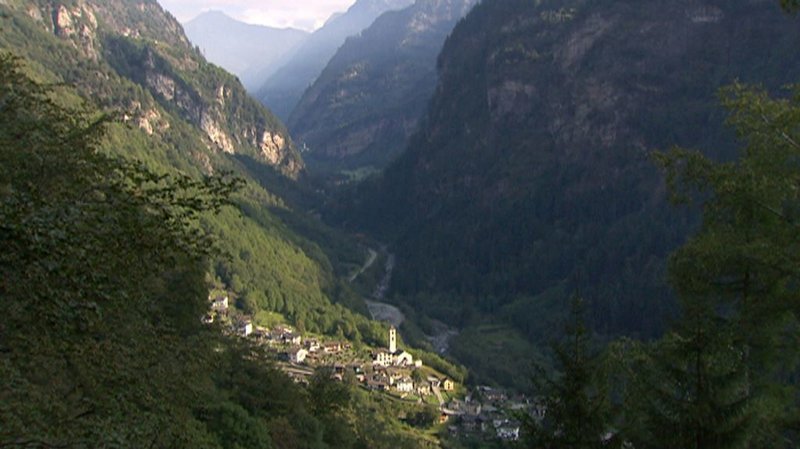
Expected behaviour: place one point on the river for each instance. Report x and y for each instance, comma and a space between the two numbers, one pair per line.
382, 311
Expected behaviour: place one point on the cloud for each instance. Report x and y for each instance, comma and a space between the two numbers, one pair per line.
304, 14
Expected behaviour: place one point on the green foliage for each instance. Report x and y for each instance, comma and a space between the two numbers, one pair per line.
790, 5
425, 418
102, 283
496, 354
723, 378
276, 257
235, 428
577, 409
691, 388
106, 226
454, 370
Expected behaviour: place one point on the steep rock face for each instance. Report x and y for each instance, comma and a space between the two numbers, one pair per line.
370, 98
532, 173
142, 43
298, 70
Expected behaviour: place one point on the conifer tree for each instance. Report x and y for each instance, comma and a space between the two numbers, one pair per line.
742, 268
577, 413
691, 389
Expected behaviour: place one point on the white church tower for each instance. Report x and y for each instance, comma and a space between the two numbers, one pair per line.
392, 340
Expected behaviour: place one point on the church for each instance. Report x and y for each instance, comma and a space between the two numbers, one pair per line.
394, 356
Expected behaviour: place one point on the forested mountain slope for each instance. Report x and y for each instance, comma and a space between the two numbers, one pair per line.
134, 176
369, 99
532, 177
177, 113
283, 90
104, 279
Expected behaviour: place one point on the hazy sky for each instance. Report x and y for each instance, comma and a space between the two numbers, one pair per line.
303, 14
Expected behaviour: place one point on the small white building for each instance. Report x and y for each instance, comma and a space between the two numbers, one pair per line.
292, 339
297, 355
244, 327
394, 356
220, 304
332, 347
404, 385
402, 358
508, 432
448, 384
382, 358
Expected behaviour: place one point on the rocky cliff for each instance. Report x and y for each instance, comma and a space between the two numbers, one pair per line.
122, 42
370, 98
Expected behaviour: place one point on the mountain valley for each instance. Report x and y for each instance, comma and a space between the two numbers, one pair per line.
250, 52
428, 224
361, 111
283, 89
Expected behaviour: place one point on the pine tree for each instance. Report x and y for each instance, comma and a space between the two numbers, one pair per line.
691, 389
577, 412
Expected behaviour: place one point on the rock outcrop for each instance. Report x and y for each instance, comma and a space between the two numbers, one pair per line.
143, 44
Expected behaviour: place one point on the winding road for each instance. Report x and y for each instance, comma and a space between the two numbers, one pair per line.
382, 311
371, 258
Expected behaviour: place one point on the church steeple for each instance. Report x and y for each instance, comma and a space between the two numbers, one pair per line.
392, 340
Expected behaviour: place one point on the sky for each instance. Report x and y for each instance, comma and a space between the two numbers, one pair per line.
302, 14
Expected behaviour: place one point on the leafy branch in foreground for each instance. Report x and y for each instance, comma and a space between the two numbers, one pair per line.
102, 280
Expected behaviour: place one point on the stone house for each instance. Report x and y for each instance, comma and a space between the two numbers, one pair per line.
297, 354
404, 385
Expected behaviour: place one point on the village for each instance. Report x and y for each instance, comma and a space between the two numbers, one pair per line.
484, 412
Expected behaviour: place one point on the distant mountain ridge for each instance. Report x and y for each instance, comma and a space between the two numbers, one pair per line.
369, 99
249, 51
282, 90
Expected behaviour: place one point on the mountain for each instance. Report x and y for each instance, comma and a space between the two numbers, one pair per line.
369, 99
532, 177
138, 61
178, 114
283, 89
249, 51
